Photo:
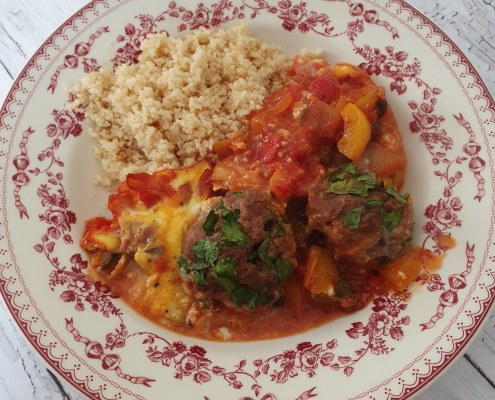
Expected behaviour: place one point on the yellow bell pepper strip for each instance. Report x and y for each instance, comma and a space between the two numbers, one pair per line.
357, 132
321, 272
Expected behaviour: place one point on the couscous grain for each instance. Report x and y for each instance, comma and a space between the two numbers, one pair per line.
182, 96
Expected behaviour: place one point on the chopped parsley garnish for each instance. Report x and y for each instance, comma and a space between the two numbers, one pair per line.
392, 219
243, 294
182, 263
280, 267
225, 267
197, 266
284, 269
223, 210
228, 225
392, 191
374, 204
210, 222
240, 294
206, 250
228, 284
348, 180
274, 226
353, 218
232, 232
263, 250
199, 278
208, 263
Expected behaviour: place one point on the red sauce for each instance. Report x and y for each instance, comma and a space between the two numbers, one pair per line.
287, 146
266, 322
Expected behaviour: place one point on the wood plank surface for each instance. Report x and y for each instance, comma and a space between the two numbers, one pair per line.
25, 24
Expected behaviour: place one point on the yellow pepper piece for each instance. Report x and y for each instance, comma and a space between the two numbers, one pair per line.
368, 102
343, 71
401, 273
357, 132
321, 272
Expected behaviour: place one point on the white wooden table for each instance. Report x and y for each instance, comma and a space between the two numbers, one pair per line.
25, 24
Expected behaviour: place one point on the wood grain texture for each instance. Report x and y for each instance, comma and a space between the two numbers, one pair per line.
25, 24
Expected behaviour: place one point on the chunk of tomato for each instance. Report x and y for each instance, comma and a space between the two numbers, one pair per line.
287, 181
325, 88
151, 188
120, 201
269, 149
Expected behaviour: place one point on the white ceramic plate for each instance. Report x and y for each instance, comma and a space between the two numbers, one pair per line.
389, 350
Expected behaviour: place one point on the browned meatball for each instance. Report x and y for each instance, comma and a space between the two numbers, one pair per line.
365, 221
240, 250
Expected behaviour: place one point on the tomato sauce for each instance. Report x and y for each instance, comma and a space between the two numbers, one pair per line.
221, 322
291, 140
285, 149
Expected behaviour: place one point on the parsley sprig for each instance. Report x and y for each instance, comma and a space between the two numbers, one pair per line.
391, 190
227, 221
392, 219
223, 270
348, 180
353, 218
279, 266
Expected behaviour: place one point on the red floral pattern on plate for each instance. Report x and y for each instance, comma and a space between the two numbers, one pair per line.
433, 282
71, 61
382, 326
450, 297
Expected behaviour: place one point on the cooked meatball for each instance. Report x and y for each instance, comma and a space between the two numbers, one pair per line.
252, 249
364, 221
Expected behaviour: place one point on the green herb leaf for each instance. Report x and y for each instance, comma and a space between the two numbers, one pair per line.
232, 232
243, 294
252, 301
353, 218
197, 266
182, 264
199, 278
223, 210
210, 222
342, 171
263, 250
207, 251
240, 294
392, 191
227, 283
347, 180
284, 269
392, 219
280, 267
274, 226
225, 267
374, 204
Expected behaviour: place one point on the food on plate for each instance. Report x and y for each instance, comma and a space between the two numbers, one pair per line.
240, 250
138, 249
182, 96
292, 220
364, 221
